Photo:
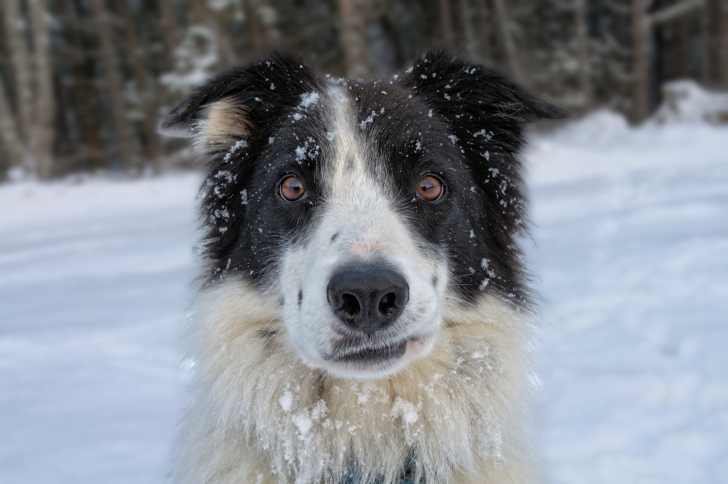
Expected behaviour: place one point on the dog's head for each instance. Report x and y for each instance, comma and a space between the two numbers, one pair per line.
366, 209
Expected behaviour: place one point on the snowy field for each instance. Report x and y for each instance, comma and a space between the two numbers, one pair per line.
631, 251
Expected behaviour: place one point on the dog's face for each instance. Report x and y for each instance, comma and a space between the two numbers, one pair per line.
365, 209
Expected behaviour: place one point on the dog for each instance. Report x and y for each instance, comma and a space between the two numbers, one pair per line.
364, 310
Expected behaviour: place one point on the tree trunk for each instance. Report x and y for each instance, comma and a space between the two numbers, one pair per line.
251, 28
640, 62
268, 15
17, 47
485, 31
146, 89
168, 25
9, 136
44, 108
113, 85
716, 54
215, 20
472, 41
503, 19
581, 15
354, 37
448, 32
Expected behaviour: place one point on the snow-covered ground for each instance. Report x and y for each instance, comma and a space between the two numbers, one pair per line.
631, 250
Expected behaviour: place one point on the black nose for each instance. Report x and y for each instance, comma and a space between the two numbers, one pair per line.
367, 297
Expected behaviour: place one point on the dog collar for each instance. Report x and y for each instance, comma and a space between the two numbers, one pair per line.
352, 477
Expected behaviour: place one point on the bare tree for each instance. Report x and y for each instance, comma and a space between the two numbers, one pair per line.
472, 40
353, 15
503, 19
9, 135
215, 20
484, 23
113, 84
446, 24
584, 52
44, 106
640, 61
716, 45
168, 24
19, 54
268, 16
147, 92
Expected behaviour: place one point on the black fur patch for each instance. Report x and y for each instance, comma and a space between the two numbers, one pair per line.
459, 121
245, 220
463, 123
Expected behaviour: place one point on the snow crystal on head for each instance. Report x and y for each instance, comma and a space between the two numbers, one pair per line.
234, 149
308, 99
310, 149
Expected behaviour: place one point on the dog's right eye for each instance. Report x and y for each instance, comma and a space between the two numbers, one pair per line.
292, 188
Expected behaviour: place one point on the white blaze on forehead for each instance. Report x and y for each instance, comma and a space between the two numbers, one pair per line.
349, 159
359, 201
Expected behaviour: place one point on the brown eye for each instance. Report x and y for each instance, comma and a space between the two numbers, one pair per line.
292, 188
430, 188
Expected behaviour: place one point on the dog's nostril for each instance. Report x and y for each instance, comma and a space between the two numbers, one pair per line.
350, 306
388, 304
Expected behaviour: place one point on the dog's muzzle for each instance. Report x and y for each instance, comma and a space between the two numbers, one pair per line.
367, 297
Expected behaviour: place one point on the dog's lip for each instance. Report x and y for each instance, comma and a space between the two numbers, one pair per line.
353, 352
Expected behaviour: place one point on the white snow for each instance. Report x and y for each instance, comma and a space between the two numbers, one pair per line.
687, 101
286, 401
369, 120
303, 423
405, 410
308, 99
632, 253
631, 237
237, 146
95, 280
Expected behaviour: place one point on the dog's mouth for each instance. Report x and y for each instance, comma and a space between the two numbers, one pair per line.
362, 357
372, 354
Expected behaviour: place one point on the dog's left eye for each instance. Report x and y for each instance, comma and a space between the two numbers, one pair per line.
430, 188
292, 188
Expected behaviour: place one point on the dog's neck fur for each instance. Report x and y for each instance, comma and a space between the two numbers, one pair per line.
261, 416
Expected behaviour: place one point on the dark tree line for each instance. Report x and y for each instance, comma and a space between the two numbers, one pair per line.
83, 82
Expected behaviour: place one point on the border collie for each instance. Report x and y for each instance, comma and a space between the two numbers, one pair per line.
364, 312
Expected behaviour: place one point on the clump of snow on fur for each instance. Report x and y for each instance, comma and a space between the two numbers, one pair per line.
483, 133
405, 410
310, 149
303, 423
368, 120
308, 99
237, 146
286, 401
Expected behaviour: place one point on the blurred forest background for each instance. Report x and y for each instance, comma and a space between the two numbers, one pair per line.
83, 82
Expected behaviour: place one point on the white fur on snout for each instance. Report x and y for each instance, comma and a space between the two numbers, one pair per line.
358, 224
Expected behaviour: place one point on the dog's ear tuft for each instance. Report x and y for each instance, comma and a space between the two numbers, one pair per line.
237, 104
471, 95
212, 124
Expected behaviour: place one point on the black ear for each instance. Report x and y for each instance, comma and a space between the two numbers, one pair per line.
487, 114
472, 97
239, 103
